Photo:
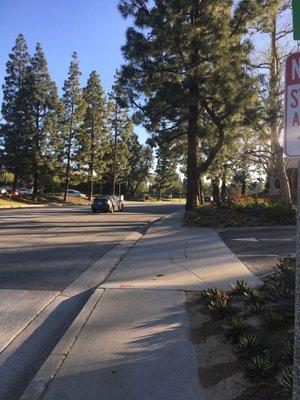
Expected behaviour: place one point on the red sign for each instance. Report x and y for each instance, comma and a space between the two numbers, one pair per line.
292, 106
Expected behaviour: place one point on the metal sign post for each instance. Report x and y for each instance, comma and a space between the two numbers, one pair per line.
292, 149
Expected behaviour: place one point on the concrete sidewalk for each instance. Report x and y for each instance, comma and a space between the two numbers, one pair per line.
135, 343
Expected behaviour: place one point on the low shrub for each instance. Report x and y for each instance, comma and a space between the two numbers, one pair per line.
285, 382
210, 293
252, 296
219, 303
243, 212
288, 348
276, 319
240, 287
260, 367
235, 328
255, 308
249, 344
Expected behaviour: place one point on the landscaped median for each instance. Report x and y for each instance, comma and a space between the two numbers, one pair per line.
244, 338
242, 212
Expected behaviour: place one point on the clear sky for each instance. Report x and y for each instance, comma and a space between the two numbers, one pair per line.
94, 28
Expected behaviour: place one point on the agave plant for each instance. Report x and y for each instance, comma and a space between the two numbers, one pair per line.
236, 326
287, 351
260, 367
287, 266
285, 382
252, 295
240, 287
209, 293
255, 308
219, 303
249, 344
276, 319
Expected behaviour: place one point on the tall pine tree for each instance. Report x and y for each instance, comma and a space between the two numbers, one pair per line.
42, 103
94, 138
186, 74
165, 172
15, 130
140, 162
121, 131
72, 124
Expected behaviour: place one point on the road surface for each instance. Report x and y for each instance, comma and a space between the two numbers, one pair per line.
41, 252
259, 248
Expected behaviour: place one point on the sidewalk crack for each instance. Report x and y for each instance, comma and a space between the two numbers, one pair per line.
185, 249
187, 269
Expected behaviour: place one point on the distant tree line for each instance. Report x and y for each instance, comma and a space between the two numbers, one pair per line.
49, 142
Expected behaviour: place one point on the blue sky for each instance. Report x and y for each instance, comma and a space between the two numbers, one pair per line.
94, 28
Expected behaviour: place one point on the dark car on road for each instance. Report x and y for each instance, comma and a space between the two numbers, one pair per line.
107, 204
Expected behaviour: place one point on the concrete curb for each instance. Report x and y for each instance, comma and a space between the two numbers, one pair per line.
39, 384
25, 206
93, 277
48, 205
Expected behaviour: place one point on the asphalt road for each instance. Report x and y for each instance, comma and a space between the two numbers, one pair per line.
41, 252
259, 248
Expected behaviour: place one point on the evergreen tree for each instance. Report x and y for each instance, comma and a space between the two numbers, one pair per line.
94, 138
73, 118
186, 74
15, 132
165, 170
140, 162
41, 100
121, 129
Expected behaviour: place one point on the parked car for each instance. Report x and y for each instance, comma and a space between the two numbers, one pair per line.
24, 190
13, 193
107, 204
208, 199
76, 193
3, 190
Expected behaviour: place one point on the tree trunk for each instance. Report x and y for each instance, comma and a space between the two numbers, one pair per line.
35, 185
223, 188
216, 192
244, 186
91, 184
200, 191
15, 182
35, 161
91, 167
159, 193
114, 178
285, 192
296, 388
271, 182
69, 156
67, 174
193, 173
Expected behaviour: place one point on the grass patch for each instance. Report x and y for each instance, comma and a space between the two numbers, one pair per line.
12, 203
77, 201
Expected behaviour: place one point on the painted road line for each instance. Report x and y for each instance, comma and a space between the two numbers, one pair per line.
277, 240
246, 240
266, 255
